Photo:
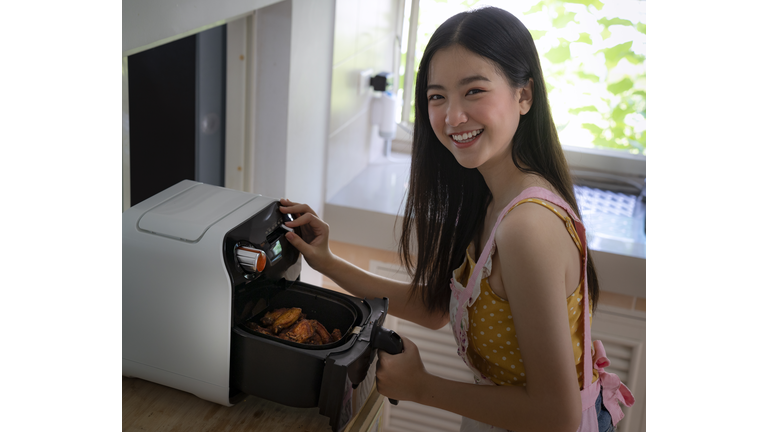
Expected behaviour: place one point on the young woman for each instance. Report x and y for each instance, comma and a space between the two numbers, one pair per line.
500, 251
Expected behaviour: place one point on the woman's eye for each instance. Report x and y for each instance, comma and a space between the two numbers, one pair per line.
434, 97
474, 92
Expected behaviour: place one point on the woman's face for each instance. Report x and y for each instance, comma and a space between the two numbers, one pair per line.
472, 108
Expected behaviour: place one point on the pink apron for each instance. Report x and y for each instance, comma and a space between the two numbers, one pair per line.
462, 298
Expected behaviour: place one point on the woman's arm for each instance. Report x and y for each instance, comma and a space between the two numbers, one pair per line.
349, 277
534, 258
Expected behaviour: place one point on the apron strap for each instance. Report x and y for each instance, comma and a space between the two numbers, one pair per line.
477, 273
581, 231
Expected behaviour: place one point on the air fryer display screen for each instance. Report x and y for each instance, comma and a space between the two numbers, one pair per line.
277, 249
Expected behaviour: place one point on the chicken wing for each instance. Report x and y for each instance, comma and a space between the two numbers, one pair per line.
269, 318
291, 324
300, 332
325, 337
258, 328
285, 320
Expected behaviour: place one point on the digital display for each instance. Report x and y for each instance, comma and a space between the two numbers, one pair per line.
277, 249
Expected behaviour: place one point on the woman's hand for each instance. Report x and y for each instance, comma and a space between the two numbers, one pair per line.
401, 376
313, 234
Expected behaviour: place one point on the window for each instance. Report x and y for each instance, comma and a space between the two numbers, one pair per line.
593, 56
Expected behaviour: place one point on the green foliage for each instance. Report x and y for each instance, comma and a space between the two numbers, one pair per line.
621, 86
563, 18
559, 53
587, 76
605, 22
614, 21
596, 3
583, 109
584, 38
604, 94
618, 52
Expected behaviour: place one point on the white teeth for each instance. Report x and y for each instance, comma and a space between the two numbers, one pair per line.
466, 135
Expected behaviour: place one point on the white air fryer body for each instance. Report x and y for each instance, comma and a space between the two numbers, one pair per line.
177, 294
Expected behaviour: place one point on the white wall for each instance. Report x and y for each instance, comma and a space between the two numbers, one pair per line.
294, 41
308, 100
364, 39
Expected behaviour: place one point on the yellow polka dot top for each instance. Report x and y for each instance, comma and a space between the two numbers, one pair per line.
493, 349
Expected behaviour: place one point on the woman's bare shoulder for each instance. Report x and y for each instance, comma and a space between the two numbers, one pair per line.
532, 236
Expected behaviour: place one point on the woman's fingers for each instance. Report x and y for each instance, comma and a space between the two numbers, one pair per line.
310, 234
288, 206
298, 243
310, 227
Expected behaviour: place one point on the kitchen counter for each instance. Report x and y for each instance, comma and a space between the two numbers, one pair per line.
152, 407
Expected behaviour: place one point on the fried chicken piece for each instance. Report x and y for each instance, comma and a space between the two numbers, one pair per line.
287, 319
300, 332
325, 337
255, 327
291, 324
284, 334
269, 318
314, 340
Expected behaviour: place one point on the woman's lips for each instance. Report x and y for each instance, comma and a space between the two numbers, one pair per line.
468, 142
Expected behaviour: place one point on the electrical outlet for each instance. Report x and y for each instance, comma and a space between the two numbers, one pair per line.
364, 81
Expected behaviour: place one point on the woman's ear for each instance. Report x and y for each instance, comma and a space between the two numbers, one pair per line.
526, 97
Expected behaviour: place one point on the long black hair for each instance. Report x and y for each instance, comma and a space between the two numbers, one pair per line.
446, 203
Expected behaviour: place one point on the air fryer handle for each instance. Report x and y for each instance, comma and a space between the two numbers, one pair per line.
389, 341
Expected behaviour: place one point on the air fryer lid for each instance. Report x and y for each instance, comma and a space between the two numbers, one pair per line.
188, 215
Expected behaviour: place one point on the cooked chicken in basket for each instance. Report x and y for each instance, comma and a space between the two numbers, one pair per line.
290, 324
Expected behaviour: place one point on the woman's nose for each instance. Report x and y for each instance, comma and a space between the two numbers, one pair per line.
455, 115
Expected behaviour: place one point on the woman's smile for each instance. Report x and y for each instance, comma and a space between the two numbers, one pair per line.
466, 139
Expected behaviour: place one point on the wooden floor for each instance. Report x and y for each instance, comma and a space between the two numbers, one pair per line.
152, 407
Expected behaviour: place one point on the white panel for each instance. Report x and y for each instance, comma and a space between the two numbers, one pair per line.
149, 23
347, 158
238, 58
345, 30
273, 38
308, 100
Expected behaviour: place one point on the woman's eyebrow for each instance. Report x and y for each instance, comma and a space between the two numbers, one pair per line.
473, 78
462, 82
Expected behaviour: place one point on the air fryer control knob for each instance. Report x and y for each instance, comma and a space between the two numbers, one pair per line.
251, 259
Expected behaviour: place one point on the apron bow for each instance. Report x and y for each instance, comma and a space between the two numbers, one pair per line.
614, 391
